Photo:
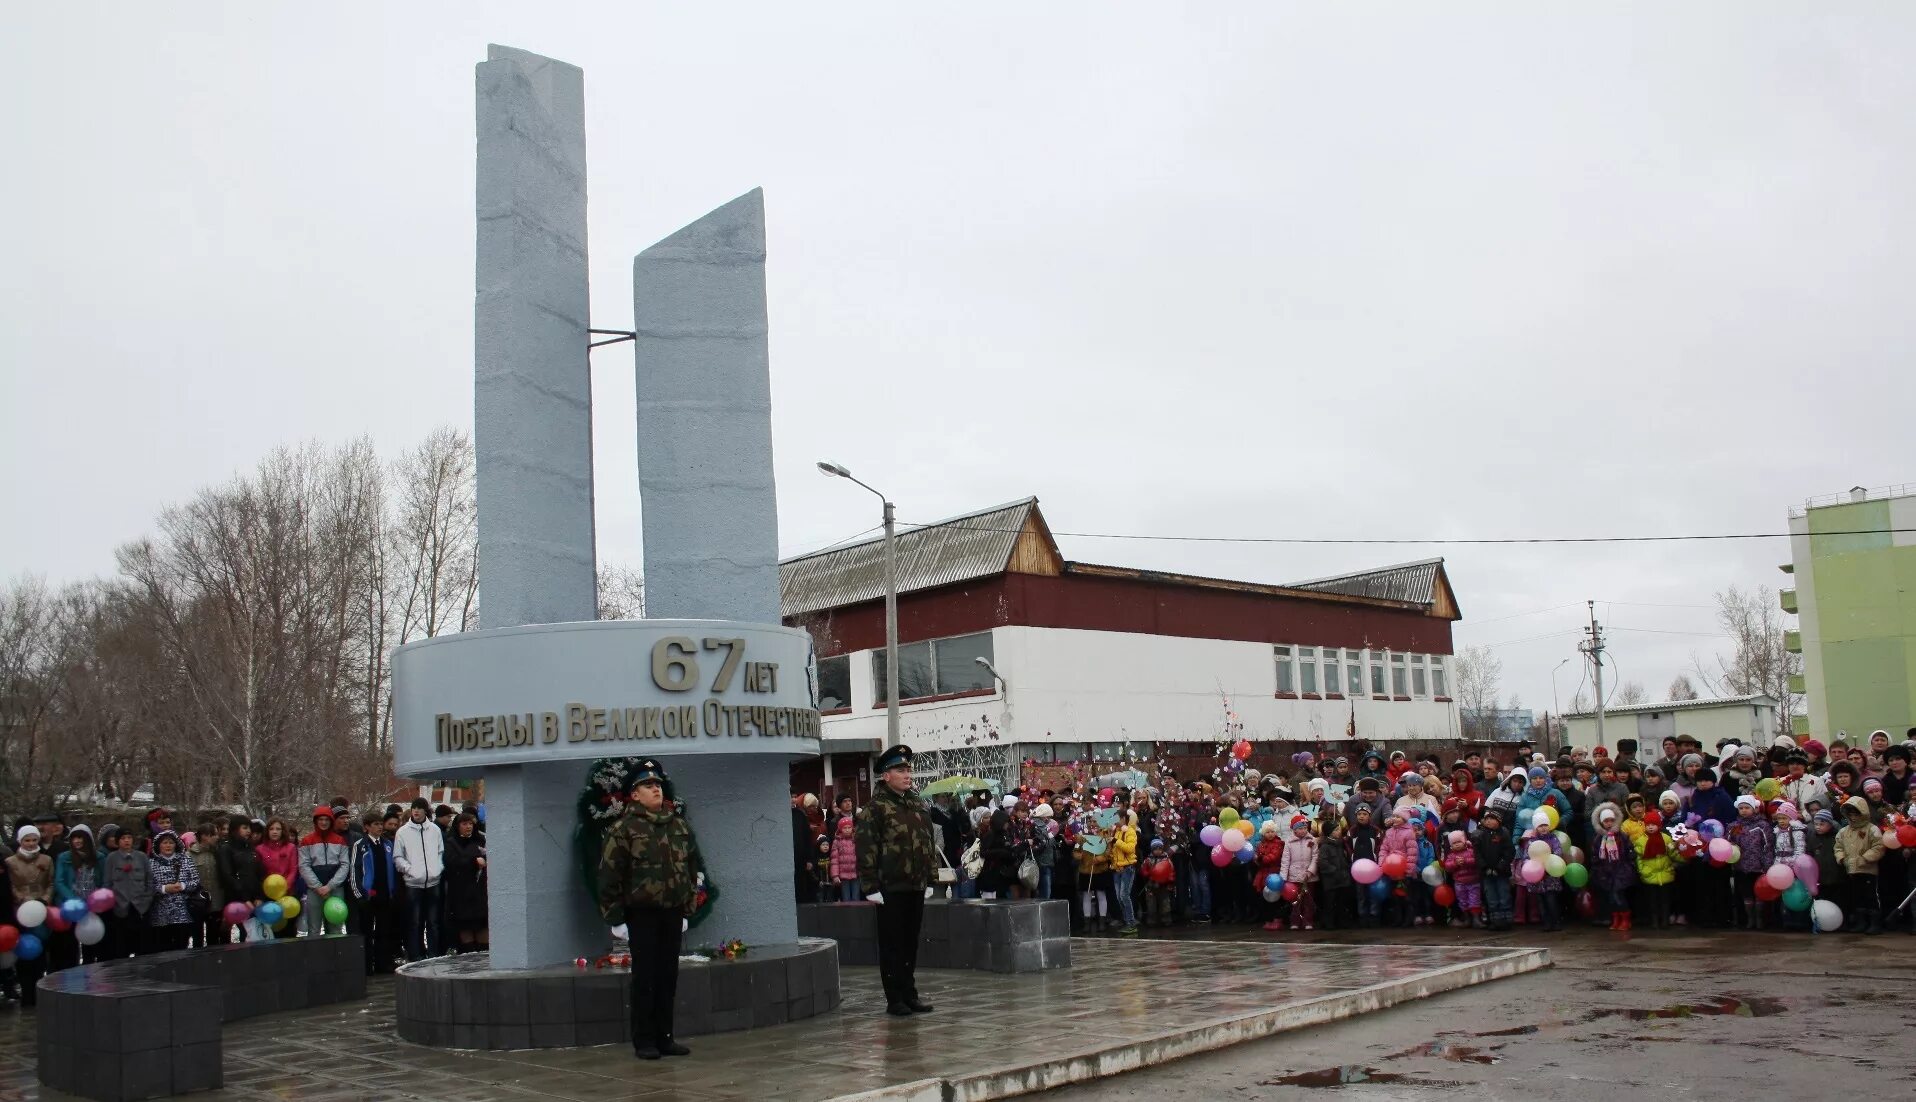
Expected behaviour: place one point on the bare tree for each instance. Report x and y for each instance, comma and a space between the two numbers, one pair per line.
1759, 663
1629, 693
621, 593
1479, 681
1681, 688
1580, 704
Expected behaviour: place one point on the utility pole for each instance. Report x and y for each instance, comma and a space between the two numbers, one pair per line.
1593, 646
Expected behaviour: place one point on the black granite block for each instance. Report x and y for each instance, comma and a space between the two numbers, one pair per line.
768, 980
196, 1015
825, 967
468, 1035
800, 1008
434, 1000
97, 1075
553, 1034
602, 999
768, 1014
1023, 956
1054, 919
56, 1064
436, 1034
731, 987
146, 1074
937, 924
552, 1000
507, 1002
968, 921
727, 1021
602, 1033
146, 1023
693, 998
196, 1067
468, 1000
1025, 921
322, 988
102, 1033
832, 998
510, 1036
352, 981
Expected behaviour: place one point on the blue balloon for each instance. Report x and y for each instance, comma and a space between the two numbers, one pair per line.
1710, 828
270, 913
1245, 856
1273, 883
73, 910
1379, 888
28, 948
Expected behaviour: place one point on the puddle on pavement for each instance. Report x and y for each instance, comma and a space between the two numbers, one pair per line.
1351, 1073
1755, 1006
1455, 1053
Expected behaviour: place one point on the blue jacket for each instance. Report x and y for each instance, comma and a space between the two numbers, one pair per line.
70, 882
1714, 804
366, 873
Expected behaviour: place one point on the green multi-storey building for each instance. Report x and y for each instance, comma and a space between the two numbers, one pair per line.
1854, 564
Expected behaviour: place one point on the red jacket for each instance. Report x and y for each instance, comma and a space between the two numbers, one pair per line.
1467, 795
1270, 855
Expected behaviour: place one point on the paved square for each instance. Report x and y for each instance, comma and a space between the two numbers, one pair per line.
1136, 1000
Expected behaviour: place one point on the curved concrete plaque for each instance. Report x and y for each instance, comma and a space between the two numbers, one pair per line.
619, 688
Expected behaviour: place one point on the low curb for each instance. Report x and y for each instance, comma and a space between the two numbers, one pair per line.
1097, 1063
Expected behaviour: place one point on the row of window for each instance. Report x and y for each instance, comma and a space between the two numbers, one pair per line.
934, 667
1320, 670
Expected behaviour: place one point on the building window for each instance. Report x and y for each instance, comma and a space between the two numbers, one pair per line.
1332, 678
1049, 752
1354, 663
1377, 674
1108, 751
1307, 668
1437, 682
1286, 682
1418, 686
936, 667
1398, 683
835, 682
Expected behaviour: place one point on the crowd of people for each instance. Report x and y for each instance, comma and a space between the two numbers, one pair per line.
1788, 837
411, 880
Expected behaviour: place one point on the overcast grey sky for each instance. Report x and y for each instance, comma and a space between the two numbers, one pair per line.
1284, 270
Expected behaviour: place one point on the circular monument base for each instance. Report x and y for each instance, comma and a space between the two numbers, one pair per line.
462, 1002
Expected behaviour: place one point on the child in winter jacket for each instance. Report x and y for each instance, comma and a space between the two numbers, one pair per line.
1754, 836
1613, 866
1365, 844
1548, 890
1656, 869
844, 862
1299, 867
1400, 840
1494, 853
1461, 864
1269, 861
1831, 883
1788, 842
1859, 847
1336, 904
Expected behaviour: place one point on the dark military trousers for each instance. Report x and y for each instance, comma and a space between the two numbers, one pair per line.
899, 919
652, 935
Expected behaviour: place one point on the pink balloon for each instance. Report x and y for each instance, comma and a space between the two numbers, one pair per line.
188, 838
1365, 871
100, 900
1780, 877
236, 913
1720, 849
1532, 871
1220, 856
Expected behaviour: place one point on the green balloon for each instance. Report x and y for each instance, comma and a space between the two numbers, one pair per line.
1576, 875
335, 911
1796, 897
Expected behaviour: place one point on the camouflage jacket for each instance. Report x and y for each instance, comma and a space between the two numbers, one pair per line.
894, 843
650, 859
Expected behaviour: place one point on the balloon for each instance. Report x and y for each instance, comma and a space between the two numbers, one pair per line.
30, 914
1433, 874
270, 913
1220, 856
73, 910
1765, 890
1227, 818
1574, 856
90, 930
1586, 904
1244, 857
1394, 866
1575, 875
1826, 915
1211, 835
1365, 871
1242, 750
1906, 834
1273, 883
236, 913
1232, 841
1563, 842
1538, 850
1271, 896
1891, 840
1797, 898
1378, 889
188, 838
1720, 849
1710, 828
1531, 871
275, 885
29, 948
1549, 815
1555, 866
1291, 892
1780, 877
334, 911
58, 923
100, 900
1767, 788
1444, 895
1736, 852
9, 937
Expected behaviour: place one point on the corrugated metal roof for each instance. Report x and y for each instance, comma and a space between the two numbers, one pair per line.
975, 545
1677, 705
1415, 582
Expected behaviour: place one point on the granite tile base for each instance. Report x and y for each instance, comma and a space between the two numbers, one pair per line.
149, 1027
985, 935
461, 1002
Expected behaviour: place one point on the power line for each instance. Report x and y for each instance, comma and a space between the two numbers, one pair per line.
1666, 631
918, 527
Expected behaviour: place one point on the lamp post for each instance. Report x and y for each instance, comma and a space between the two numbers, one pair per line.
891, 604
1555, 707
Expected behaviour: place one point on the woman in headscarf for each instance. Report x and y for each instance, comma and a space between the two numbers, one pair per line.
174, 877
465, 882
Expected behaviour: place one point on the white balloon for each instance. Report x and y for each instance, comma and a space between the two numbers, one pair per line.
1433, 874
31, 913
90, 930
1828, 915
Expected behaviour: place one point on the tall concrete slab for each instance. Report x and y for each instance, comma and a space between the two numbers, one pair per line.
711, 522
533, 438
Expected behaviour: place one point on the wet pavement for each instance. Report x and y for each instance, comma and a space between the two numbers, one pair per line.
1118, 991
1692, 1014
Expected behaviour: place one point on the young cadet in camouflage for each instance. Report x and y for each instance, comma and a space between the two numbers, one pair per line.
648, 885
896, 865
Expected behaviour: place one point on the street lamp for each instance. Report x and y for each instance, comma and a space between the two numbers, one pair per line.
993, 671
891, 604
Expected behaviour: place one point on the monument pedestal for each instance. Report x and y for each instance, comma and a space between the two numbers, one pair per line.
463, 1002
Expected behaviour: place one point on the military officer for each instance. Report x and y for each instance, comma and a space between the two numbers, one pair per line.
896, 866
648, 885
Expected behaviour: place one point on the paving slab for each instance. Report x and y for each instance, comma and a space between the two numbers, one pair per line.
1123, 1005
